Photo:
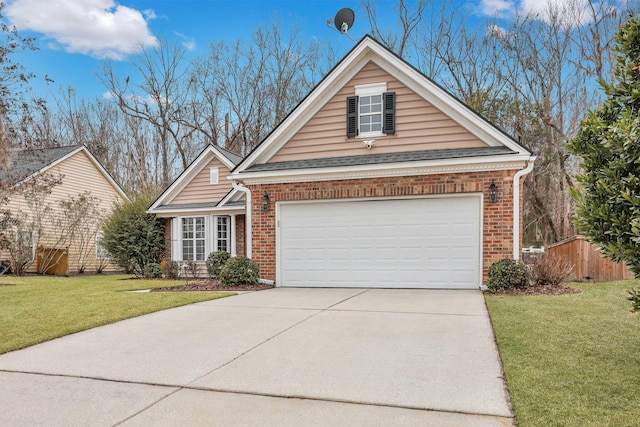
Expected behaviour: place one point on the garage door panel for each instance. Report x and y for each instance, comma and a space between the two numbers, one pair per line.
381, 243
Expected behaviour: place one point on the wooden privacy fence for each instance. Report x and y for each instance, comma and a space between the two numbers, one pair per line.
589, 264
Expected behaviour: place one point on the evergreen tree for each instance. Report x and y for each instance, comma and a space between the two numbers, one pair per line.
133, 237
608, 201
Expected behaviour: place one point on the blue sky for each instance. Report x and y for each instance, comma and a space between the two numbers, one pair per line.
75, 36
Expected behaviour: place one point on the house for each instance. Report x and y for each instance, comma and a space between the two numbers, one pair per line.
378, 178
203, 212
53, 244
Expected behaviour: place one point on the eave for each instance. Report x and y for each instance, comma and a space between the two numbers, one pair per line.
430, 167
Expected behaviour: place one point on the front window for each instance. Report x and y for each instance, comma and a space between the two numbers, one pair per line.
193, 239
222, 233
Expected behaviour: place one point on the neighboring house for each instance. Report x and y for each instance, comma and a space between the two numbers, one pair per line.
378, 178
203, 212
54, 248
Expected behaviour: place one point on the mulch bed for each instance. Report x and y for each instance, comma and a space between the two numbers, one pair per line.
539, 290
210, 285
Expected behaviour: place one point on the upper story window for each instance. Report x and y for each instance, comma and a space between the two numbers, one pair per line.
371, 112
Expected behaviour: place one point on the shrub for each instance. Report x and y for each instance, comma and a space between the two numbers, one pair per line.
239, 271
634, 297
506, 274
550, 270
152, 271
132, 237
192, 268
215, 261
171, 269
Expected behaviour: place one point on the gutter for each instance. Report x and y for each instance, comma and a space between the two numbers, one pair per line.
516, 206
247, 221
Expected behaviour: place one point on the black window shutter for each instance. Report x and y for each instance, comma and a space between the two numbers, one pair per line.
352, 116
389, 114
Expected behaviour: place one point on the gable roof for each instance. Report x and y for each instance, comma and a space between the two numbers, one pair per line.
24, 164
227, 157
27, 164
368, 49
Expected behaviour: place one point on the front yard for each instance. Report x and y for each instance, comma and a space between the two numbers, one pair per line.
40, 308
571, 360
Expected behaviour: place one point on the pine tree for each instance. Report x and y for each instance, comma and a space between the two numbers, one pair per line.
608, 142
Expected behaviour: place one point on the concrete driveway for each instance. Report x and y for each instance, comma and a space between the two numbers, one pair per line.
271, 358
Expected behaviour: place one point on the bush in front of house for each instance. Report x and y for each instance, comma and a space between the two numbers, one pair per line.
239, 270
215, 261
152, 271
550, 270
507, 274
132, 237
171, 269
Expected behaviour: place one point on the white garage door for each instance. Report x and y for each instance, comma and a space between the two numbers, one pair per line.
401, 243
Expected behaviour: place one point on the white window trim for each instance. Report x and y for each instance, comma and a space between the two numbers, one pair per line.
101, 252
32, 238
214, 176
370, 90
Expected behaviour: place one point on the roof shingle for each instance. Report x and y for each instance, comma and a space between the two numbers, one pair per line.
369, 159
25, 163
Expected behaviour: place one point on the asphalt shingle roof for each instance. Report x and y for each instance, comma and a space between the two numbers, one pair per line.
235, 158
24, 163
369, 159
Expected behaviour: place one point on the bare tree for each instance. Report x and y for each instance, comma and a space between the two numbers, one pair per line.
159, 99
257, 84
531, 75
408, 21
14, 80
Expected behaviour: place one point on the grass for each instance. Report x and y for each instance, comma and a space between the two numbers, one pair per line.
571, 360
41, 308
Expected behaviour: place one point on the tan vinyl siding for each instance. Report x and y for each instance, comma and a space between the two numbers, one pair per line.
79, 175
200, 190
419, 126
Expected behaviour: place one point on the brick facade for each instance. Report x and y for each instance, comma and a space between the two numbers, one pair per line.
497, 221
240, 235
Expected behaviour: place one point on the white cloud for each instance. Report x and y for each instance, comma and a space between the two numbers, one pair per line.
188, 43
100, 28
496, 7
497, 32
563, 12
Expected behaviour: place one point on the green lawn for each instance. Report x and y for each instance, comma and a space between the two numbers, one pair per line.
41, 308
571, 360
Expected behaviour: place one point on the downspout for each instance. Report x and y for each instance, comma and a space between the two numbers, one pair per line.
247, 220
516, 206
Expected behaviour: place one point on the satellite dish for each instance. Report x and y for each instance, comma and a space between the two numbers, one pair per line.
344, 19
343, 22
